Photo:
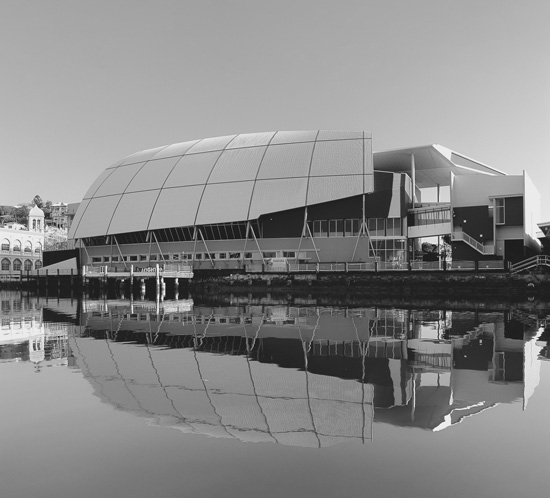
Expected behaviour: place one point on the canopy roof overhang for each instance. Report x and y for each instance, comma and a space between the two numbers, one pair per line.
433, 164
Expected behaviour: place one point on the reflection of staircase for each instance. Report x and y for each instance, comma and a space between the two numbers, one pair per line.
473, 243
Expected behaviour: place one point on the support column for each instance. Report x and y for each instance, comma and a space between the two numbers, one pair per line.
413, 178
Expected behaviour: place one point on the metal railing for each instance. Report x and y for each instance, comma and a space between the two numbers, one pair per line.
478, 246
529, 263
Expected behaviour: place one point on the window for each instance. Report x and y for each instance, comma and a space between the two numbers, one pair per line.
289, 254
376, 226
143, 257
234, 255
175, 257
114, 259
247, 255
198, 256
38, 265
27, 265
320, 228
133, 258
17, 265
153, 257
5, 245
17, 246
96, 259
106, 259
336, 228
499, 211
270, 254
393, 226
351, 227
5, 264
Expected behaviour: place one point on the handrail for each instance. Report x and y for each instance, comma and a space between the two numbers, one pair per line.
531, 262
475, 244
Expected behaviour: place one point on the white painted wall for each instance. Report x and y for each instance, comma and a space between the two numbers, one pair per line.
531, 213
475, 190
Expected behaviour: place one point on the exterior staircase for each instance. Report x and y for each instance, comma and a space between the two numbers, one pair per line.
529, 263
473, 243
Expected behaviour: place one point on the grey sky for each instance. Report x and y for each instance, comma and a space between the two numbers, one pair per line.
85, 83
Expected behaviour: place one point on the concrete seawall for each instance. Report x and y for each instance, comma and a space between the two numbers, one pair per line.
486, 285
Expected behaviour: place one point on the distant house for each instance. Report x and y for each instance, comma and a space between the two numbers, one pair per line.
59, 214
21, 246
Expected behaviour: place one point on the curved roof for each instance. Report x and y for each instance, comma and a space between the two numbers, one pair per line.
433, 164
225, 179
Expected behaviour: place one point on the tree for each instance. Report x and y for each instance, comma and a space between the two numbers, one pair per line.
55, 239
21, 214
37, 201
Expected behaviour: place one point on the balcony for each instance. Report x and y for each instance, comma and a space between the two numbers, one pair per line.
429, 221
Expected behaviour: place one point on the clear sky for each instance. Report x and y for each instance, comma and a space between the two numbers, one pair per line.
85, 83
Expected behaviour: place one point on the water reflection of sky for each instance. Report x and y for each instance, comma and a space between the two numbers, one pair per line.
297, 376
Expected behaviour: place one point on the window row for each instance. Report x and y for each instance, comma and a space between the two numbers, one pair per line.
199, 256
385, 227
16, 246
221, 231
432, 217
17, 265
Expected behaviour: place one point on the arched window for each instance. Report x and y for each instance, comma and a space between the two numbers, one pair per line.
38, 265
28, 247
37, 248
5, 245
28, 265
34, 224
5, 264
16, 264
17, 246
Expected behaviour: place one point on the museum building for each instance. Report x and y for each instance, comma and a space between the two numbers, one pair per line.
255, 200
22, 245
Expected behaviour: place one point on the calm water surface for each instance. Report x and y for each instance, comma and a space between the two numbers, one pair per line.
113, 398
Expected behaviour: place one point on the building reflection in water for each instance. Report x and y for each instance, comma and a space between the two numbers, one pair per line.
305, 376
25, 335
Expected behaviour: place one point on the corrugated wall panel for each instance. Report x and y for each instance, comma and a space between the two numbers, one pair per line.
237, 165
133, 212
224, 202
97, 217
98, 181
175, 149
368, 166
78, 216
152, 175
117, 182
395, 203
251, 140
286, 161
288, 137
342, 157
192, 170
211, 144
176, 207
142, 156
339, 135
323, 189
268, 197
